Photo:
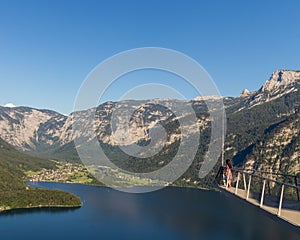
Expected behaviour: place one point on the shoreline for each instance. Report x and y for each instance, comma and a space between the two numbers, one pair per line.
4, 209
41, 207
66, 207
103, 185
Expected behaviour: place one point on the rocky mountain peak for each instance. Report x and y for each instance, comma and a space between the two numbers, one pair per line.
245, 93
204, 98
37, 130
26, 128
279, 79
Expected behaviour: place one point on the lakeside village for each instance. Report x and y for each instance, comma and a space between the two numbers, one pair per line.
78, 173
64, 172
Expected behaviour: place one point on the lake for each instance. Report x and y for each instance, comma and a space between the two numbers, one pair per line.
170, 213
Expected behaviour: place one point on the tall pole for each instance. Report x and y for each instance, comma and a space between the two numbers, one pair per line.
222, 151
223, 139
280, 201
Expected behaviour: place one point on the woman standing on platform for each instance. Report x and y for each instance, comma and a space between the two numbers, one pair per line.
228, 173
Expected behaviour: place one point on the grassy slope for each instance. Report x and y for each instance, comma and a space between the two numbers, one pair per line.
15, 194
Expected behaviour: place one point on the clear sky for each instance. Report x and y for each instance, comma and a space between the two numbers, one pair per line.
48, 47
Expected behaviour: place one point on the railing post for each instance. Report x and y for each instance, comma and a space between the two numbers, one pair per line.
280, 202
297, 190
262, 193
237, 183
245, 184
248, 190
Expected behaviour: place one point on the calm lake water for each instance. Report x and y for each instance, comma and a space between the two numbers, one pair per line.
170, 213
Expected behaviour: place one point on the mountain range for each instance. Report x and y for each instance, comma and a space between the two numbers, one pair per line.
262, 129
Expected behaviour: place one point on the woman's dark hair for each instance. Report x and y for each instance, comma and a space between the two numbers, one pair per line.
228, 162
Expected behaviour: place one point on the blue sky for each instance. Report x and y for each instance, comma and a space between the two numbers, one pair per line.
47, 48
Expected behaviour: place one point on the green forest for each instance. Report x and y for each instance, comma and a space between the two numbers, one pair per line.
14, 193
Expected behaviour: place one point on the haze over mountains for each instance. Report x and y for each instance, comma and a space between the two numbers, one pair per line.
262, 126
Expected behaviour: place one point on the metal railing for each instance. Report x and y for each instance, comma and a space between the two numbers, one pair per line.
259, 174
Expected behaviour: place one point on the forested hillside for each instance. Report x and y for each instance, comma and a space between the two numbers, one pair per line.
13, 191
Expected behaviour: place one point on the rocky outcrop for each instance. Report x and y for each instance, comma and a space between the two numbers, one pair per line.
278, 150
29, 129
281, 83
245, 93
280, 79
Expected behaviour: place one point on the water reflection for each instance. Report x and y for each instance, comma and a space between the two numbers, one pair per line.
171, 213
49, 210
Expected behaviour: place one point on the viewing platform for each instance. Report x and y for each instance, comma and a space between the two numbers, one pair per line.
264, 190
